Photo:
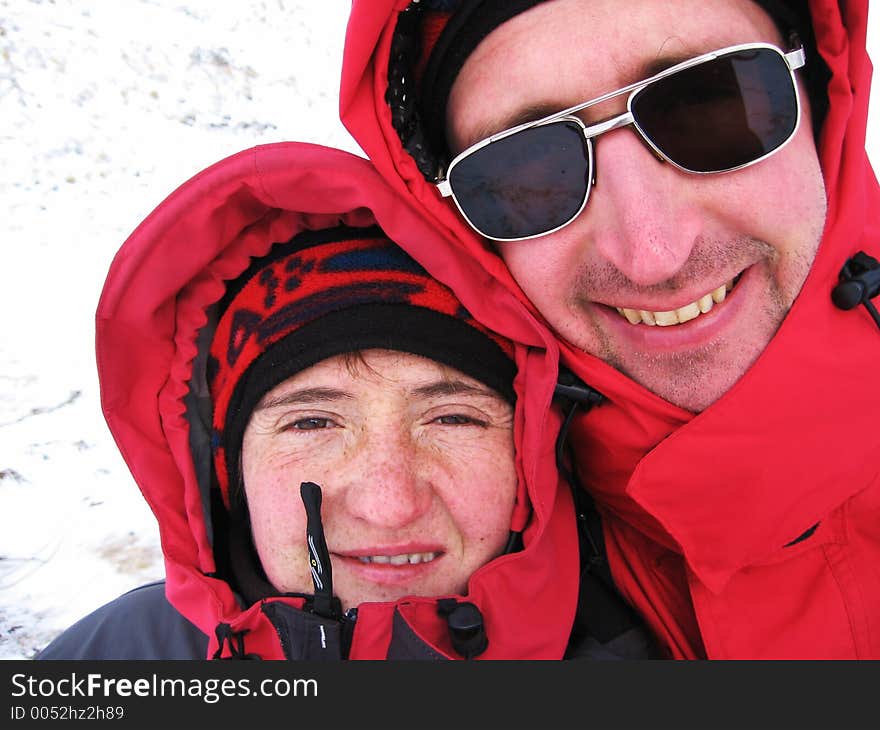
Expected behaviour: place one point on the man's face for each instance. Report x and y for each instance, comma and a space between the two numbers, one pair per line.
416, 465
651, 238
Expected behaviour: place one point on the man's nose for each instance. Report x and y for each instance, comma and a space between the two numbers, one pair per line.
387, 485
641, 214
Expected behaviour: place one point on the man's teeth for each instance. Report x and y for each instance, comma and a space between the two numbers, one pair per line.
682, 314
411, 558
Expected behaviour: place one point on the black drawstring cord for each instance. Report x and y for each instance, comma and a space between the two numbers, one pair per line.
567, 474
859, 284
235, 640
514, 543
580, 496
602, 613
573, 393
571, 390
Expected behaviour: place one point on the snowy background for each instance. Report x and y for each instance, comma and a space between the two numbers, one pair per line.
106, 106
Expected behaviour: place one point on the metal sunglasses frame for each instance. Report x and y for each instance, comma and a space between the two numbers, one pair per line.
793, 59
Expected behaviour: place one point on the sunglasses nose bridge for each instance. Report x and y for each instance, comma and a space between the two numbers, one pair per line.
591, 131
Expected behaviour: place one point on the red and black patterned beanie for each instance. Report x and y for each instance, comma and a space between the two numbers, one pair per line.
325, 293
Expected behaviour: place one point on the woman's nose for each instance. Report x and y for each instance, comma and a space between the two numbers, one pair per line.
641, 215
386, 482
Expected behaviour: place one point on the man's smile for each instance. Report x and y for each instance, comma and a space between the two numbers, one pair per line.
735, 304
680, 315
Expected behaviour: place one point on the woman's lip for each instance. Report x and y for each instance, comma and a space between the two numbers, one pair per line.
386, 550
386, 574
695, 333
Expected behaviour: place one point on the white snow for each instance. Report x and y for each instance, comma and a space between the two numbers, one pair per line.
106, 106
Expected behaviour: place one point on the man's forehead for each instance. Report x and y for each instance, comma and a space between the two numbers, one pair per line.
564, 52
555, 101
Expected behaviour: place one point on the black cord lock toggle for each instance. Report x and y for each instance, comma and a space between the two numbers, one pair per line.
575, 390
466, 628
859, 284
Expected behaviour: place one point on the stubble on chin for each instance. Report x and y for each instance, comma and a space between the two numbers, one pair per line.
695, 378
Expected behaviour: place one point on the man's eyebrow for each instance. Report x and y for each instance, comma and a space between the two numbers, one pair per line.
453, 387
520, 116
545, 109
303, 396
661, 63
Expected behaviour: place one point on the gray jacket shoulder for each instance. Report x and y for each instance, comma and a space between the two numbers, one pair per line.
140, 624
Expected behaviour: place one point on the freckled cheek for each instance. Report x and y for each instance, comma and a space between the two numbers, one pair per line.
272, 482
288, 462
278, 525
478, 489
274, 503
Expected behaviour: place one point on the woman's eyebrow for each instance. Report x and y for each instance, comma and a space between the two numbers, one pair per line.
453, 387
303, 396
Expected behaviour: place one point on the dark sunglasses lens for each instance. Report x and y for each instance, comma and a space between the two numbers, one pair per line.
526, 184
722, 113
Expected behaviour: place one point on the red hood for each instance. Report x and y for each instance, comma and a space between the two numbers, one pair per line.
797, 435
151, 310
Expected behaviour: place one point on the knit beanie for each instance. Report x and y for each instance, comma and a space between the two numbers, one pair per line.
325, 293
450, 30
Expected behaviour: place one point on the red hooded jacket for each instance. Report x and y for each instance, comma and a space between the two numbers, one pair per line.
156, 300
750, 530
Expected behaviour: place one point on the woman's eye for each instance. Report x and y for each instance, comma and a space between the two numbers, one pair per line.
310, 424
457, 420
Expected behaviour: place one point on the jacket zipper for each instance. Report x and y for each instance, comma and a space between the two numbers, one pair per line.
348, 620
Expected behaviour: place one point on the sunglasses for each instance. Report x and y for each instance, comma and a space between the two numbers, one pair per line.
717, 112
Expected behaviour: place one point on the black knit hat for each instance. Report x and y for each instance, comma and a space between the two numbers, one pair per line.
448, 31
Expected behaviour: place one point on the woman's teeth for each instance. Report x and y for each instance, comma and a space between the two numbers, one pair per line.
407, 558
682, 314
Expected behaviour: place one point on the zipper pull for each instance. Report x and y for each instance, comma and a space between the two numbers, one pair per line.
324, 603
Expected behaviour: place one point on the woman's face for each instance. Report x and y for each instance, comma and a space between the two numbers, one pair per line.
416, 465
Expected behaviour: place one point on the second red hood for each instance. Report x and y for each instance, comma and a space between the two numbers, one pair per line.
156, 301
